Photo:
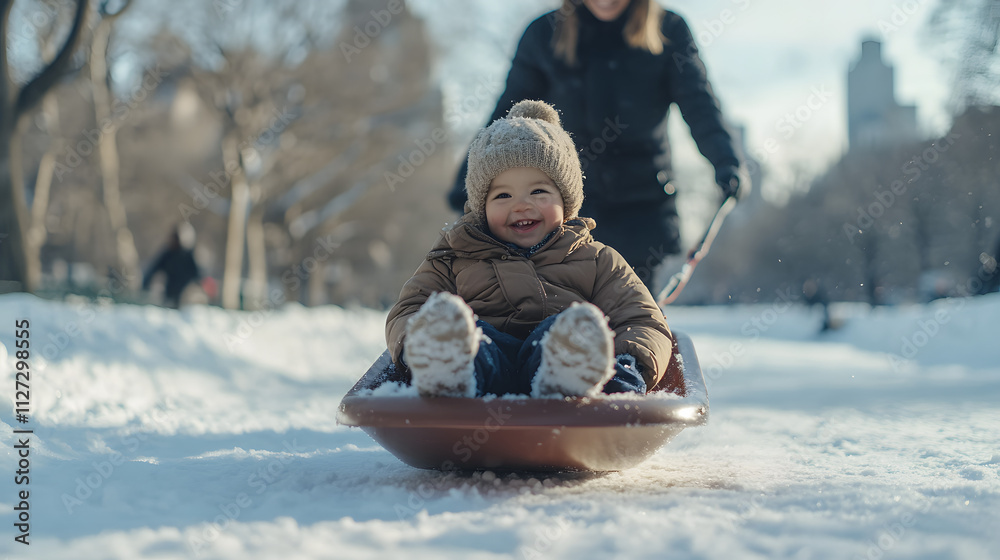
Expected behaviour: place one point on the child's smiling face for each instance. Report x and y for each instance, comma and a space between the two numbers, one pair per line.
523, 205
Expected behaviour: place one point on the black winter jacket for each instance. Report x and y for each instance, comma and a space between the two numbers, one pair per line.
614, 104
180, 268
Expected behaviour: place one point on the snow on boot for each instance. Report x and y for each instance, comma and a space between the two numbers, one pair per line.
577, 354
441, 342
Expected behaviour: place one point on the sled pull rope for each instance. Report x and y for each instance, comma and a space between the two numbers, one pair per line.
698, 252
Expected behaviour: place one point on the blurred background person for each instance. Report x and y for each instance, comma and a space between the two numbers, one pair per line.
613, 68
178, 265
989, 272
813, 294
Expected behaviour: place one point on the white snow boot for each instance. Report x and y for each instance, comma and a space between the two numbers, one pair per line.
577, 354
441, 343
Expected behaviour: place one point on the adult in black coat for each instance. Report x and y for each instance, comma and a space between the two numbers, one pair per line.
613, 69
178, 265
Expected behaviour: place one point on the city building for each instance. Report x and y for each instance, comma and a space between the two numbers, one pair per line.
874, 117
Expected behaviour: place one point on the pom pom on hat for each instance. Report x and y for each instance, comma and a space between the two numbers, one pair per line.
531, 109
529, 136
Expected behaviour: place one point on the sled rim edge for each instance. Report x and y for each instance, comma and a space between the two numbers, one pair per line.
691, 409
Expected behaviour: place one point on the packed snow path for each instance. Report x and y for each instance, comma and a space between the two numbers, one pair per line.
208, 434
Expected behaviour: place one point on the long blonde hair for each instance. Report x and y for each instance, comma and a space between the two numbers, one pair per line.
642, 30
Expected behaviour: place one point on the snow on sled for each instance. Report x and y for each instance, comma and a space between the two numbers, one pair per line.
607, 433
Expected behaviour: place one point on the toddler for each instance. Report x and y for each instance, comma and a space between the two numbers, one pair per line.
517, 297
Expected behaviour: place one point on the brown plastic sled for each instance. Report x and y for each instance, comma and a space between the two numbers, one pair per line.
607, 433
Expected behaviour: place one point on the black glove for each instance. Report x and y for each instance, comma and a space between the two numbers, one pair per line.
728, 180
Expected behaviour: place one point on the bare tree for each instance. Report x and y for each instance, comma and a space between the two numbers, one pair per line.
16, 272
254, 94
50, 122
107, 146
246, 92
37, 231
972, 27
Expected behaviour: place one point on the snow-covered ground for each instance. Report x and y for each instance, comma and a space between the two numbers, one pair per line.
208, 434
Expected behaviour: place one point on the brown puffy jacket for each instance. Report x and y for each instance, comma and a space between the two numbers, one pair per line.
514, 293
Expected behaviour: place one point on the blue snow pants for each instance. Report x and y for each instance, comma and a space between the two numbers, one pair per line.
507, 365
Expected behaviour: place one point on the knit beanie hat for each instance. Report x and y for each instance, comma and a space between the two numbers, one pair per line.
529, 136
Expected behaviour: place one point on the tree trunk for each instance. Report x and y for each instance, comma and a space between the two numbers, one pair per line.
256, 289
107, 147
37, 232
232, 274
37, 229
870, 249
317, 287
13, 213
13, 264
15, 267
